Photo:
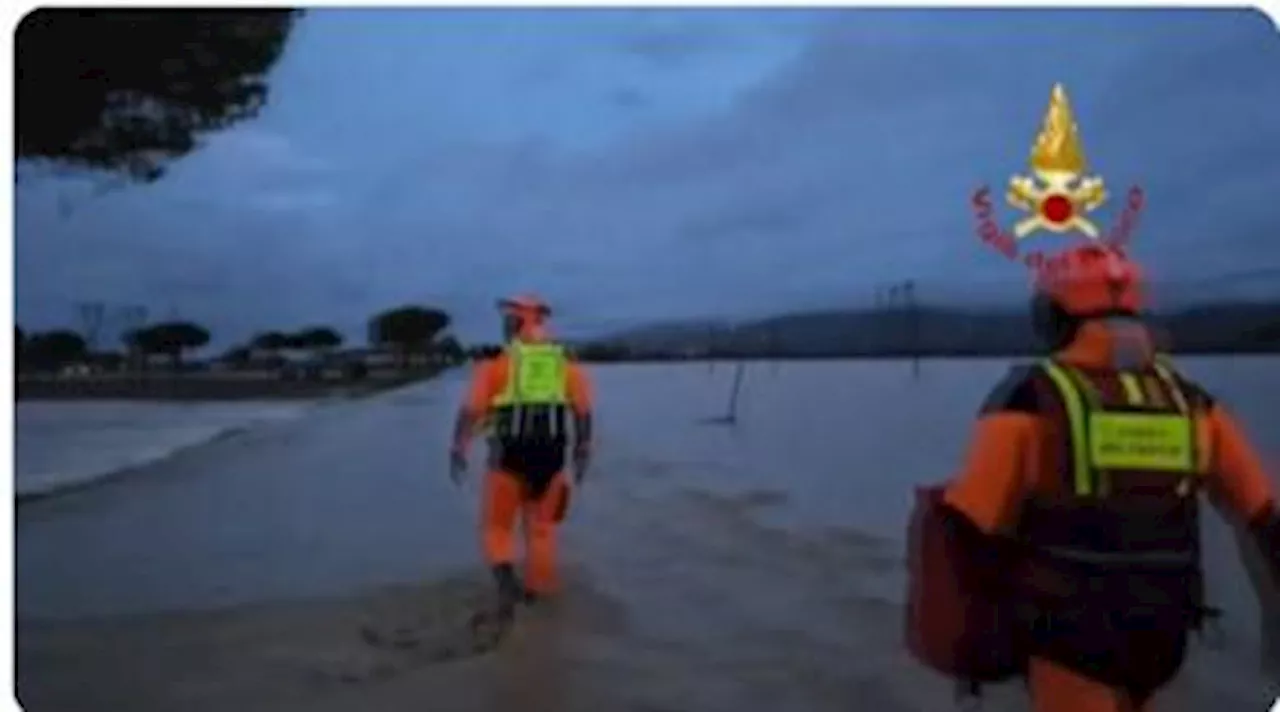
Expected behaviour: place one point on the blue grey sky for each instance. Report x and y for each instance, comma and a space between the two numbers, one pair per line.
644, 164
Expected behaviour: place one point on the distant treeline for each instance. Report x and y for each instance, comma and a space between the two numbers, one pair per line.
886, 332
405, 331
924, 331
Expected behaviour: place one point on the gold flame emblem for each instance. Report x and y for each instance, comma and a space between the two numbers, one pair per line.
1060, 195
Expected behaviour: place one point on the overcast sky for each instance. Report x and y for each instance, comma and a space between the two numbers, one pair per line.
642, 164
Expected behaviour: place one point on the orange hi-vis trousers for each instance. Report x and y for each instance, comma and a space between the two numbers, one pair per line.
505, 498
1057, 689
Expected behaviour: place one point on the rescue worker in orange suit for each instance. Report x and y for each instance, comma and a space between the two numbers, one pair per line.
528, 393
1084, 470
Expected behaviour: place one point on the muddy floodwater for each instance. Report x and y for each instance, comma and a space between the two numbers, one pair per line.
753, 566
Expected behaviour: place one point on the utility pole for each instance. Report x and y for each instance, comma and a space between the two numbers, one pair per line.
710, 350
913, 326
775, 348
899, 301
91, 314
130, 317
127, 317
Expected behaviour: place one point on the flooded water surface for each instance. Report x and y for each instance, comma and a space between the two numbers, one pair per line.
752, 566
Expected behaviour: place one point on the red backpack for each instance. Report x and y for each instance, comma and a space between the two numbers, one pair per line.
955, 622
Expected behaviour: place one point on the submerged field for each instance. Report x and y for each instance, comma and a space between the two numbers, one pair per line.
752, 567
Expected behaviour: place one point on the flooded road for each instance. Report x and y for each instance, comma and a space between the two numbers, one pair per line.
752, 567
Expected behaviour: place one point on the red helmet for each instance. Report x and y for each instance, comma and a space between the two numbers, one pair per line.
527, 307
1092, 280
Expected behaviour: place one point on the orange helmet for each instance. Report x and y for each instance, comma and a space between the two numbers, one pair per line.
1092, 281
528, 308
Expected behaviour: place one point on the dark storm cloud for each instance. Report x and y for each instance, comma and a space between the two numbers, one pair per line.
791, 168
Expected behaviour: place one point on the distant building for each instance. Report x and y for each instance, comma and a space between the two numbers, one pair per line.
372, 357
259, 355
77, 370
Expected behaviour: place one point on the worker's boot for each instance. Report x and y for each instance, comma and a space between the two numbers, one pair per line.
510, 590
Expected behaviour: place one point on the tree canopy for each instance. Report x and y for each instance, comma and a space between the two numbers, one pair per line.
484, 351
312, 337
127, 91
449, 346
55, 348
410, 328
237, 355
318, 337
170, 338
270, 341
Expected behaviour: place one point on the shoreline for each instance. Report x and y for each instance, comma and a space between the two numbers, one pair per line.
115, 475
922, 356
209, 387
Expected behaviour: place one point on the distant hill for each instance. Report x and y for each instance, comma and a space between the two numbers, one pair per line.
673, 335
1224, 327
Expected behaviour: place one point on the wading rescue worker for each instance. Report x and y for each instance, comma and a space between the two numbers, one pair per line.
529, 393
1089, 465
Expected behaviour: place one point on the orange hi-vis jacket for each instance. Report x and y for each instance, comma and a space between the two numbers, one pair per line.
1015, 483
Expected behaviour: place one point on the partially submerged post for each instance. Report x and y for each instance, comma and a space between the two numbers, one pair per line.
731, 413
738, 374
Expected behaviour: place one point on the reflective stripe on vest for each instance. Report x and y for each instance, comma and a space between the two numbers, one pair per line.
1104, 440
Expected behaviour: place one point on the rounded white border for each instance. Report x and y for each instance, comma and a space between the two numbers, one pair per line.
14, 11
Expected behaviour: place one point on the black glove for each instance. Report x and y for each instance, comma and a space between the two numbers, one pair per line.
1266, 529
457, 464
1266, 535
581, 461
